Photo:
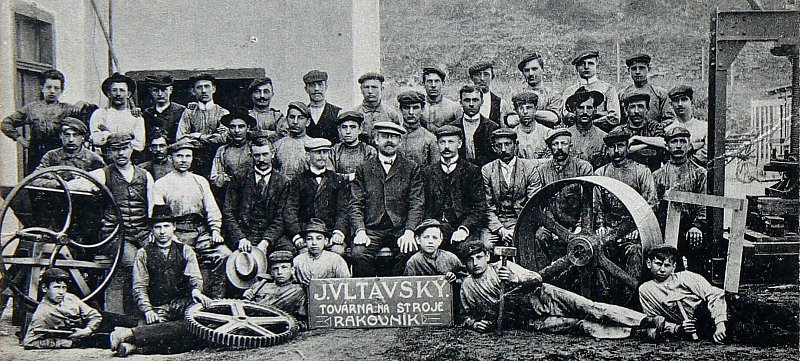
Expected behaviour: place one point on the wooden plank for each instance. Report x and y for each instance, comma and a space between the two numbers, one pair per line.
706, 200
733, 266
672, 224
77, 276
769, 206
44, 262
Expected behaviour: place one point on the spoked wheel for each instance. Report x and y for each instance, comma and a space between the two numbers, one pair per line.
89, 261
241, 324
574, 256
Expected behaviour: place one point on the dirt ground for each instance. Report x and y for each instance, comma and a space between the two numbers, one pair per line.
449, 344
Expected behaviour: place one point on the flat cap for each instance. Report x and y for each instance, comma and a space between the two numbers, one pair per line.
411, 97
446, 130
54, 274
74, 124
302, 107
469, 248
526, 97
201, 76
349, 115
369, 76
389, 127
428, 223
119, 139
280, 257
315, 76
257, 82
266, 134
618, 134
433, 70
317, 144
637, 58
552, 134
480, 66
526, 59
160, 79
681, 90
582, 95
636, 96
504, 133
676, 132
583, 54
183, 143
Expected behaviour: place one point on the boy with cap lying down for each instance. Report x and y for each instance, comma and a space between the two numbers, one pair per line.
689, 300
531, 304
281, 292
430, 260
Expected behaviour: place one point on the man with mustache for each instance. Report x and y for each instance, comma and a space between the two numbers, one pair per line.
454, 191
611, 214
681, 98
386, 206
233, 158
117, 117
290, 152
548, 107
476, 129
44, 119
585, 63
322, 119
201, 123
268, 119
419, 144
530, 134
160, 163
587, 139
493, 107
647, 137
658, 108
351, 152
679, 174
508, 184
254, 203
372, 107
438, 110
164, 114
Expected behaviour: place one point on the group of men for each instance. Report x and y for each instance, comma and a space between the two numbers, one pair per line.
339, 193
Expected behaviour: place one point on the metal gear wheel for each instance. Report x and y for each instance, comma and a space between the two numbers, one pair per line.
241, 324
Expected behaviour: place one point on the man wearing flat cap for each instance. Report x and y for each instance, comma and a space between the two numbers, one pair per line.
386, 205
681, 98
201, 123
419, 144
267, 118
659, 109
493, 107
611, 214
322, 120
530, 134
508, 185
680, 174
647, 137
585, 63
587, 139
72, 152
373, 108
476, 129
290, 151
320, 193
351, 152
454, 191
548, 105
438, 110
233, 158
117, 117
164, 114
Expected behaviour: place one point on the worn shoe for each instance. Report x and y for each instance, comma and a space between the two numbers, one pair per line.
120, 335
656, 322
125, 349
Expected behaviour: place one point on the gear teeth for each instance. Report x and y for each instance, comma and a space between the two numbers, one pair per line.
233, 340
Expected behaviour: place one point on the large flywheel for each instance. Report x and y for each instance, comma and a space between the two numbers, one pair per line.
60, 228
567, 249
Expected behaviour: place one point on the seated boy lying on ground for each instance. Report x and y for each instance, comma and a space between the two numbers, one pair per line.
712, 313
430, 260
531, 304
281, 293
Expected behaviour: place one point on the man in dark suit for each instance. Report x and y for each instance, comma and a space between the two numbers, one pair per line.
317, 193
454, 190
386, 205
254, 201
493, 107
476, 129
323, 114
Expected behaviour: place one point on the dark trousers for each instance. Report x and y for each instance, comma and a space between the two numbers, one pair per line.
364, 259
752, 321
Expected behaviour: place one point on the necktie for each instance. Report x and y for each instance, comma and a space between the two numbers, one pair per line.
262, 183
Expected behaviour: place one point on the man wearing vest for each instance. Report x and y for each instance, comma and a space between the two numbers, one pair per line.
164, 114
493, 107
322, 122
476, 129
201, 122
166, 280
585, 63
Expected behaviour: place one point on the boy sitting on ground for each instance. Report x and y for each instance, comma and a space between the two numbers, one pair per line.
281, 293
316, 262
430, 260
710, 310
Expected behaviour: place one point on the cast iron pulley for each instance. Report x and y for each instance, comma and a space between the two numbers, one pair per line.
241, 324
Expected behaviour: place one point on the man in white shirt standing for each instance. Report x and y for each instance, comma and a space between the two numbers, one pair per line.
117, 117
493, 107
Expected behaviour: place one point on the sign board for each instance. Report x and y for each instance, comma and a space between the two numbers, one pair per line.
380, 302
